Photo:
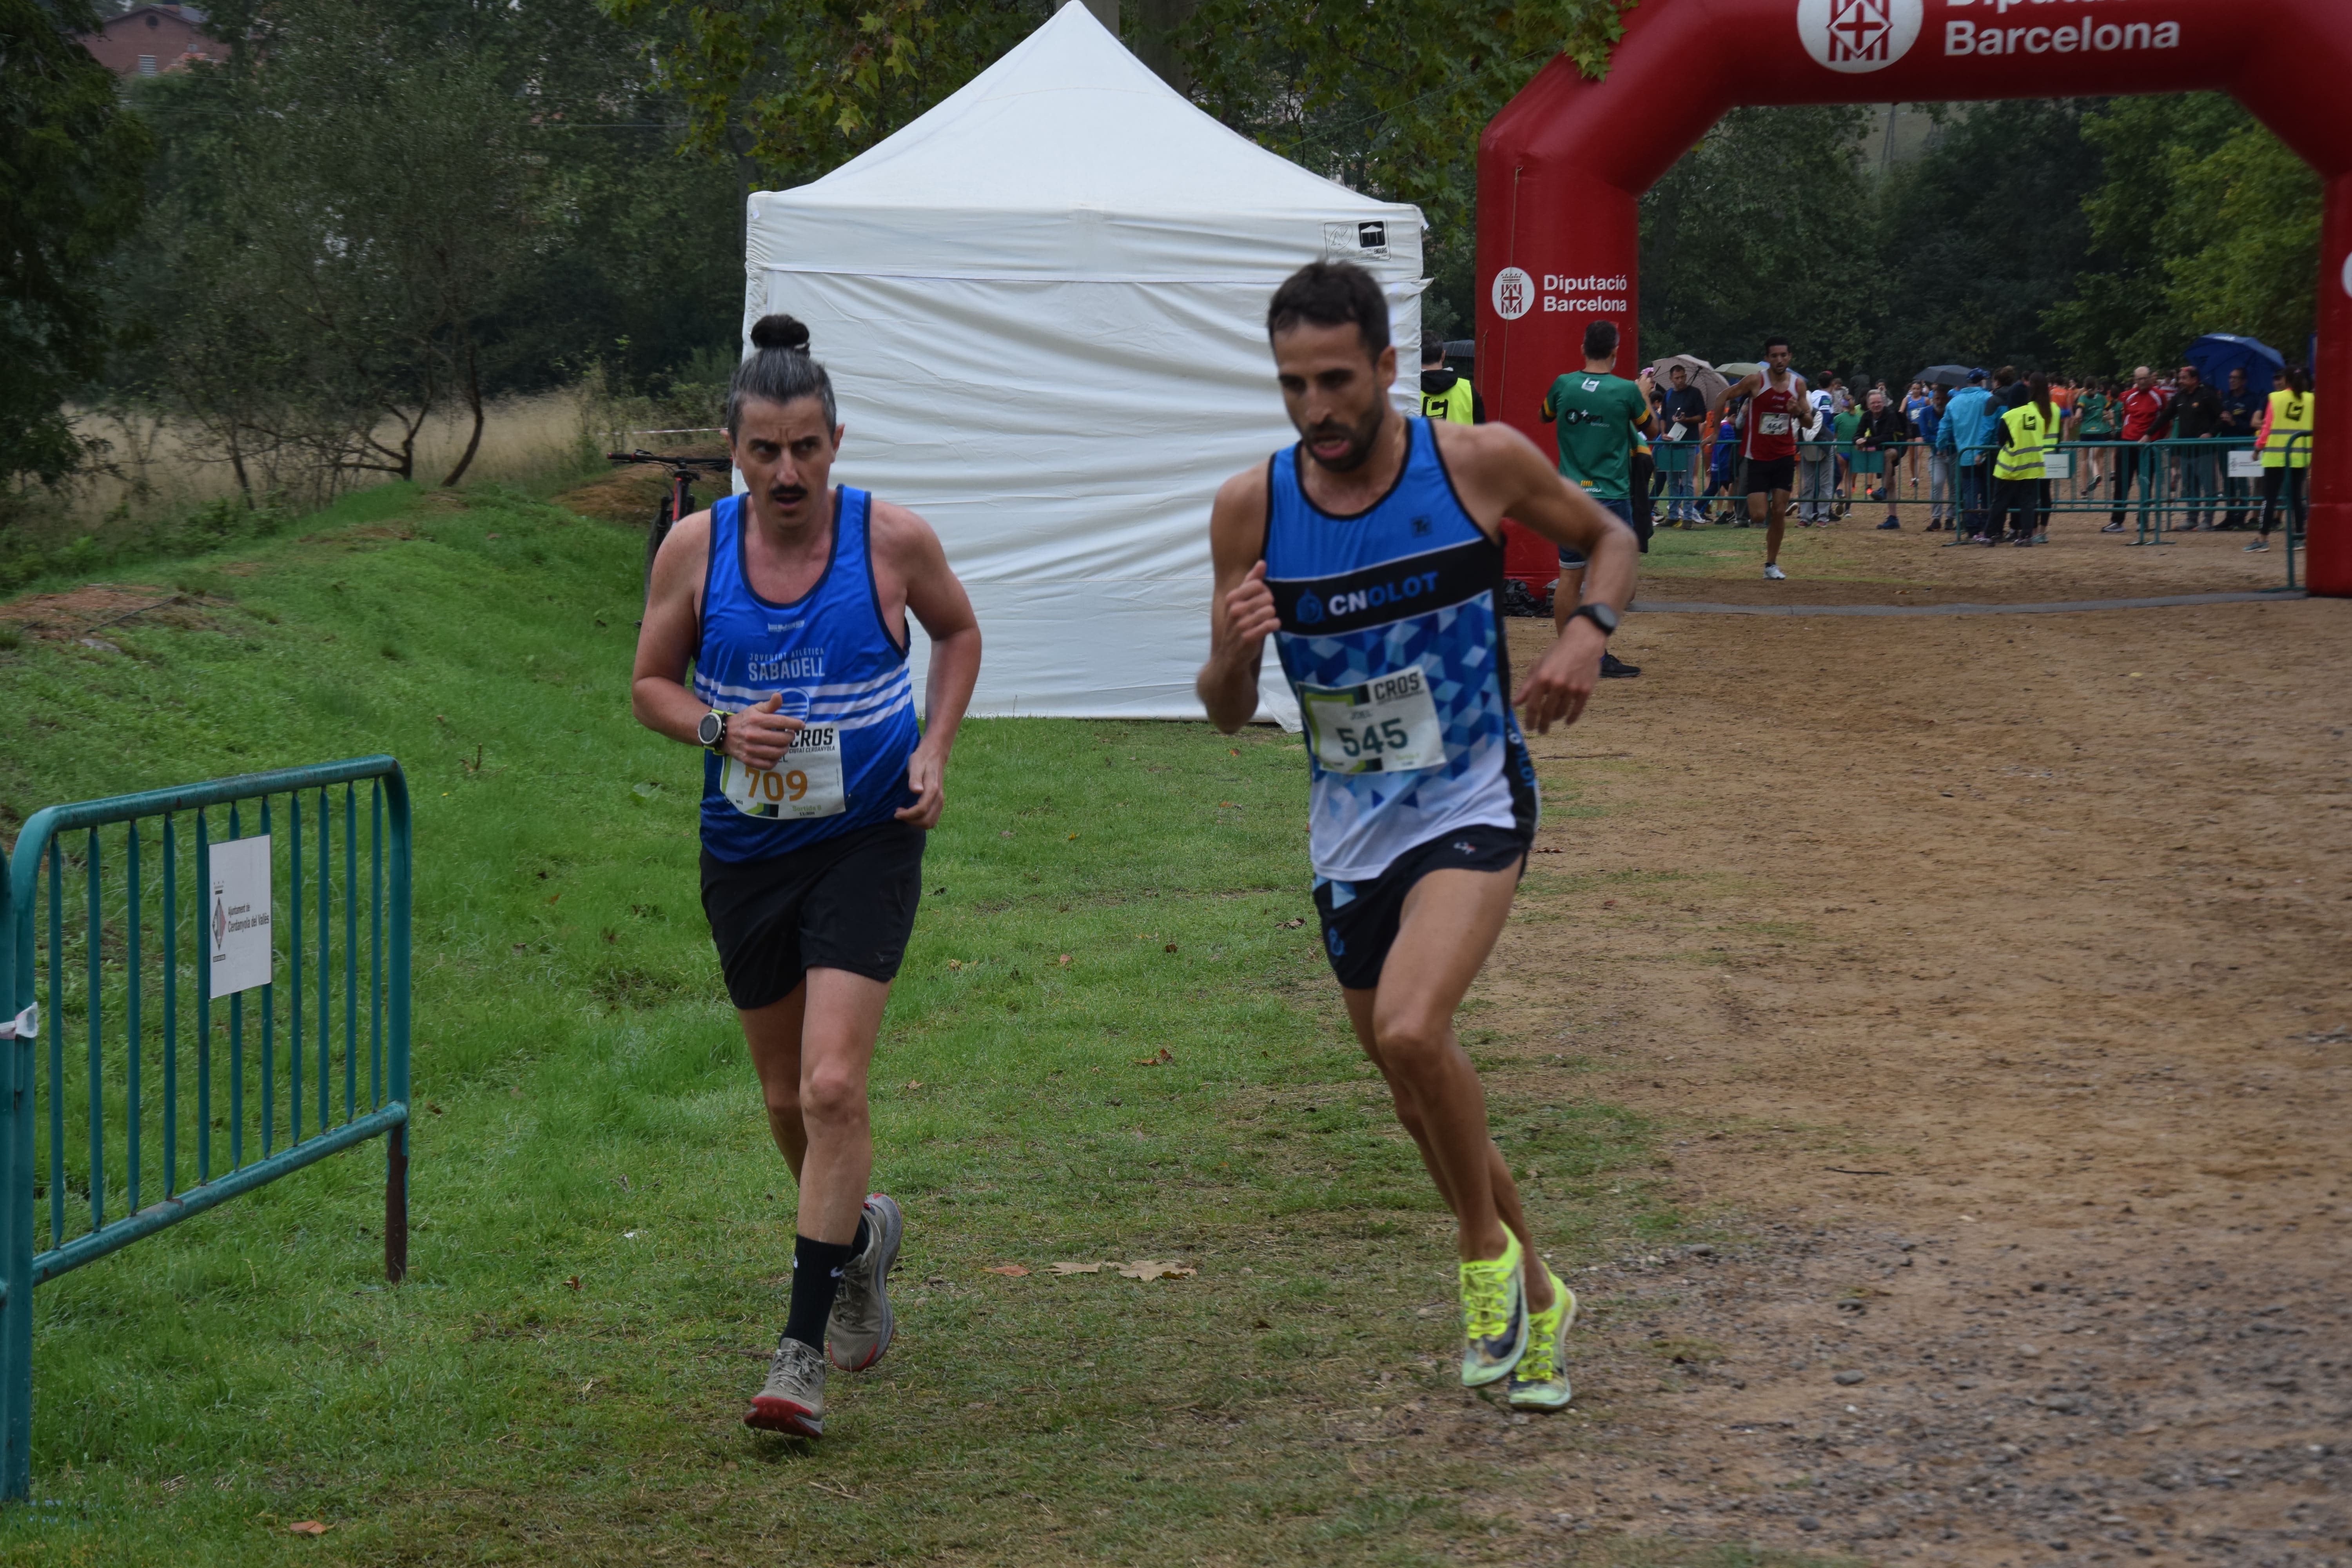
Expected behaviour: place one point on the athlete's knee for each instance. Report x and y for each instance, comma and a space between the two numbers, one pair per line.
833, 1097
1409, 1044
783, 1100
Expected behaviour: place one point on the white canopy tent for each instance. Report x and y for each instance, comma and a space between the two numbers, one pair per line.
1043, 308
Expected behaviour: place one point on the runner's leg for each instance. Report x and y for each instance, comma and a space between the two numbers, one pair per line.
1565, 595
1777, 511
813, 1051
1449, 925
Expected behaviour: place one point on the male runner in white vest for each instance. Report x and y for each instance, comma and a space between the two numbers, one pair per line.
791, 601
1372, 551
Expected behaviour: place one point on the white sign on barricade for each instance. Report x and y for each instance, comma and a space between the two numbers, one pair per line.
2246, 465
238, 923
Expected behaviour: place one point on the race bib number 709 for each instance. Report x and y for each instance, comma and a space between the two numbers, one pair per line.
805, 782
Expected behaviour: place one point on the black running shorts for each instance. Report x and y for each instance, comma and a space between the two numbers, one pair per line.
1772, 474
842, 903
1360, 919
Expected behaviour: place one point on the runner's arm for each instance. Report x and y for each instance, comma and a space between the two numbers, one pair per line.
666, 641
1241, 606
1503, 475
935, 599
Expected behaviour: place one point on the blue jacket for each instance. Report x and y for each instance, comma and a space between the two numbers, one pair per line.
1930, 424
1969, 417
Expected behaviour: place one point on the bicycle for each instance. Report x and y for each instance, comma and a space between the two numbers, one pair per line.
678, 503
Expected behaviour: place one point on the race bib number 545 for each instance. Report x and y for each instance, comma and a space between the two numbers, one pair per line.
1388, 725
806, 783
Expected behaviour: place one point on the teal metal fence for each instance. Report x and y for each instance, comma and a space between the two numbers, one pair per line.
2151, 488
147, 928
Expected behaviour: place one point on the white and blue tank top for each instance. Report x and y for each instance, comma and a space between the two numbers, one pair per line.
831, 655
1392, 636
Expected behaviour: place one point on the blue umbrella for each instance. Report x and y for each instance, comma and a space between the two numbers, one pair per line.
2216, 355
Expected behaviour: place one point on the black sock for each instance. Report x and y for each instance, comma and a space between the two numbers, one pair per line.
816, 1275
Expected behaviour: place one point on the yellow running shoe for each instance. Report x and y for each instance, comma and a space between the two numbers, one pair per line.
1494, 1316
1540, 1380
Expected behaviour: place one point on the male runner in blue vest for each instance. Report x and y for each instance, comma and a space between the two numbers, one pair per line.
791, 601
1371, 552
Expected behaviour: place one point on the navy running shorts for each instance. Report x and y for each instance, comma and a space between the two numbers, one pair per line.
1360, 919
840, 903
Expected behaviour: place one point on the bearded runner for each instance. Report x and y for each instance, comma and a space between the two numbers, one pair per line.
791, 601
1371, 552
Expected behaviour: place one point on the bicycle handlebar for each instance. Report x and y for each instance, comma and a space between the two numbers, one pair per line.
712, 464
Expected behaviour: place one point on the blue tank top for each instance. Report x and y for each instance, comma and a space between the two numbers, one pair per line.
1392, 638
833, 659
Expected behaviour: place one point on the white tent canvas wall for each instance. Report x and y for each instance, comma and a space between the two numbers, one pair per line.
1043, 305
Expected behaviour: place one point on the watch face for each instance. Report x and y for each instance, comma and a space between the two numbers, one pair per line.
707, 732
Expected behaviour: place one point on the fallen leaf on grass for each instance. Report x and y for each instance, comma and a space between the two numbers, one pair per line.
1170, 948
955, 963
1153, 1269
914, 1083
1162, 1059
573, 1282
1073, 838
434, 1108
1084, 1267
1064, 961
1291, 925
308, 1527
1010, 1270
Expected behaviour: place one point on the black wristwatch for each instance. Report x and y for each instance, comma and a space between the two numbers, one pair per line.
1601, 616
712, 732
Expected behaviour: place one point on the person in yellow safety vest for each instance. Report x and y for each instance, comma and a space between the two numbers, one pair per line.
1446, 395
2020, 491
2284, 443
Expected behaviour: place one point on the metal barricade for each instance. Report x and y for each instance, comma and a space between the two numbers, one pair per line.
103, 972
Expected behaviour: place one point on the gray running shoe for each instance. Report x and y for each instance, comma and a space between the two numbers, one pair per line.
858, 1333
793, 1399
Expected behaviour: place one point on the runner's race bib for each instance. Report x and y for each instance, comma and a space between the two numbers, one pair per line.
1772, 425
1387, 725
806, 783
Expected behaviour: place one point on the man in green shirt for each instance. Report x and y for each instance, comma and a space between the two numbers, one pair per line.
1597, 414
1848, 425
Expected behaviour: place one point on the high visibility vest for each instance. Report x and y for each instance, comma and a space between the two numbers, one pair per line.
1453, 404
2290, 412
2021, 457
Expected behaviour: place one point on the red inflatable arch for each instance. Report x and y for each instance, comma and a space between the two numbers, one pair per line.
1560, 168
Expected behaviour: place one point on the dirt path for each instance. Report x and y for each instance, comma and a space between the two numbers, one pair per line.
1994, 975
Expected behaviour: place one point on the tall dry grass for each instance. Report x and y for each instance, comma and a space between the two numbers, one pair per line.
156, 467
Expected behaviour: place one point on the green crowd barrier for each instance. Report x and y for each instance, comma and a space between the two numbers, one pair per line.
177, 907
2171, 482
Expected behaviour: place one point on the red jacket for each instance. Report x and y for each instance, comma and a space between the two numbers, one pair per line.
2140, 409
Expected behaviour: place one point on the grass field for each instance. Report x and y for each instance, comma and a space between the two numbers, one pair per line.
603, 1232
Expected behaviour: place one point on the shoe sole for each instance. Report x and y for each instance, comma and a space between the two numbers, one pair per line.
781, 1415
1569, 1389
888, 1241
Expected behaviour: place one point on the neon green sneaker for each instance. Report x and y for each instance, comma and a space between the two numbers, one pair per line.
1494, 1316
1540, 1380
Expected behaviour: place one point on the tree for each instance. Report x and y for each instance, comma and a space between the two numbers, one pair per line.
71, 174
1390, 98
784, 89
1980, 234
2203, 222
1764, 226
